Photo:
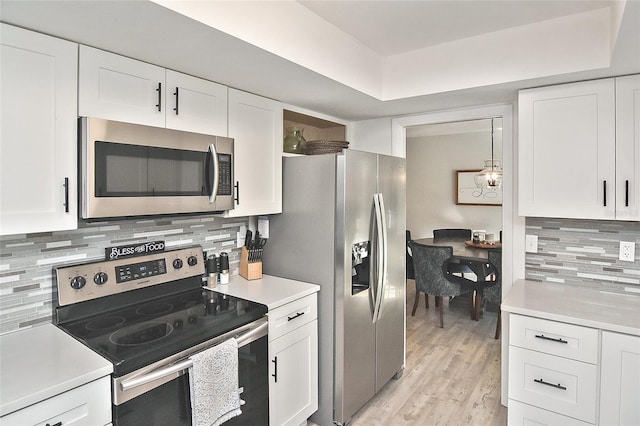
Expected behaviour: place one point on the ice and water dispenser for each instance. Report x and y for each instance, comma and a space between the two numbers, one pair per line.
360, 267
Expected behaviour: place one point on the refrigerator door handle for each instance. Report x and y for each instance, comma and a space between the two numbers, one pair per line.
380, 263
385, 255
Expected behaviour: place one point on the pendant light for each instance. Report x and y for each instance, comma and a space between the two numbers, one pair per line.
491, 176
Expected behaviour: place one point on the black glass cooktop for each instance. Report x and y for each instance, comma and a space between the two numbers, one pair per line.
146, 332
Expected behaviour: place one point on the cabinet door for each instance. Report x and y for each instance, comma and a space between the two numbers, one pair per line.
620, 379
628, 147
567, 151
520, 414
117, 88
195, 105
38, 135
87, 405
293, 385
255, 123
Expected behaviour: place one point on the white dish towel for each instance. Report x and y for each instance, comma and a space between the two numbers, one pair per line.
213, 381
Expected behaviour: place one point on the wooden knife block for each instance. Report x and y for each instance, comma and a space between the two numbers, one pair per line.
249, 271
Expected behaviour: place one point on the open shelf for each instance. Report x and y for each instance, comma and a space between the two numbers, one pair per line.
314, 128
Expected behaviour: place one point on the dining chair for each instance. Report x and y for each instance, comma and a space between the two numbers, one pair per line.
493, 294
451, 233
430, 264
409, 263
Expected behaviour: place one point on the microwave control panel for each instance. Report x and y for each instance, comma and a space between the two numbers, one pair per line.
224, 174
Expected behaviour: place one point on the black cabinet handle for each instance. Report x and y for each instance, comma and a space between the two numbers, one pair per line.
604, 188
298, 314
237, 187
626, 193
542, 382
159, 90
176, 95
275, 369
66, 194
558, 340
57, 424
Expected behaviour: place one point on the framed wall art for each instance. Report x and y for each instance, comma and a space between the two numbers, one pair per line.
468, 194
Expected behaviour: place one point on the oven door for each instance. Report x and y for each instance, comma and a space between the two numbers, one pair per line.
159, 394
134, 170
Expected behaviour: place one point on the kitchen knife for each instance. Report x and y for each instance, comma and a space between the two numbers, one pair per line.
247, 239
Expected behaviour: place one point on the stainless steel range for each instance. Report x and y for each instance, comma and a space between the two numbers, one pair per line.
148, 315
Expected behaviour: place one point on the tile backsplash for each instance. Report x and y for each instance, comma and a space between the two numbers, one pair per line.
26, 261
583, 252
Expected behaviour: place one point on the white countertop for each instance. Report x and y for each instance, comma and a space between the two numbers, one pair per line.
41, 362
269, 290
575, 305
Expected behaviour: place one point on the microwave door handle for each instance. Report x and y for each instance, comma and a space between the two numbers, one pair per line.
215, 172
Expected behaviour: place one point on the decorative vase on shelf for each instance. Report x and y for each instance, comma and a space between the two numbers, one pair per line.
294, 142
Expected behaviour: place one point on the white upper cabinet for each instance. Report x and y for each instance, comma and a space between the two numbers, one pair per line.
255, 123
628, 147
38, 97
567, 151
579, 150
118, 88
195, 105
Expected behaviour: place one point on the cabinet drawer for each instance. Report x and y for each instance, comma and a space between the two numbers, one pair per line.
558, 384
555, 338
292, 315
520, 414
88, 405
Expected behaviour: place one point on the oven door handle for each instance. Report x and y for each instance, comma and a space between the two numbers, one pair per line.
148, 378
242, 339
252, 335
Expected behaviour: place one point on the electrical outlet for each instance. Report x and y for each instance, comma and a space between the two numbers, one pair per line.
263, 226
627, 251
531, 243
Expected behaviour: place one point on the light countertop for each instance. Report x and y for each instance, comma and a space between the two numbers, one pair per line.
269, 290
575, 305
41, 362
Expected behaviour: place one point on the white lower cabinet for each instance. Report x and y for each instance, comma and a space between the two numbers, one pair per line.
527, 415
88, 405
620, 383
561, 385
293, 354
566, 374
553, 373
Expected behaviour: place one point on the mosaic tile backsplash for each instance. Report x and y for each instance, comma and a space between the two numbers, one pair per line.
26, 261
584, 252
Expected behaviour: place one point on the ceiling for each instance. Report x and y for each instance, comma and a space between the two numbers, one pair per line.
392, 27
357, 60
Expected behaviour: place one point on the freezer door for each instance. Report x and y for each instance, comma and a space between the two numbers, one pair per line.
354, 329
390, 325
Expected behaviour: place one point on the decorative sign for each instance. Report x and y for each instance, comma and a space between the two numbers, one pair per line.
138, 249
468, 193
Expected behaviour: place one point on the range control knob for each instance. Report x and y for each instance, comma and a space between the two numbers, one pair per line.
177, 264
100, 278
78, 282
192, 261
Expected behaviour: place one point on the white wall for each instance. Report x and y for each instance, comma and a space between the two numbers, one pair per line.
432, 162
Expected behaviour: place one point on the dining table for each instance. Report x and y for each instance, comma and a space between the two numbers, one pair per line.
469, 258
463, 248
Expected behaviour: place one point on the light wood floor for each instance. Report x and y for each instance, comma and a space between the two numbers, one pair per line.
452, 375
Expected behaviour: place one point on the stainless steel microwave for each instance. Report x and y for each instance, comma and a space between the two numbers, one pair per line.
135, 170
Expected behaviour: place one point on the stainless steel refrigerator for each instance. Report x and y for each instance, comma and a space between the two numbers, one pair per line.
343, 227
